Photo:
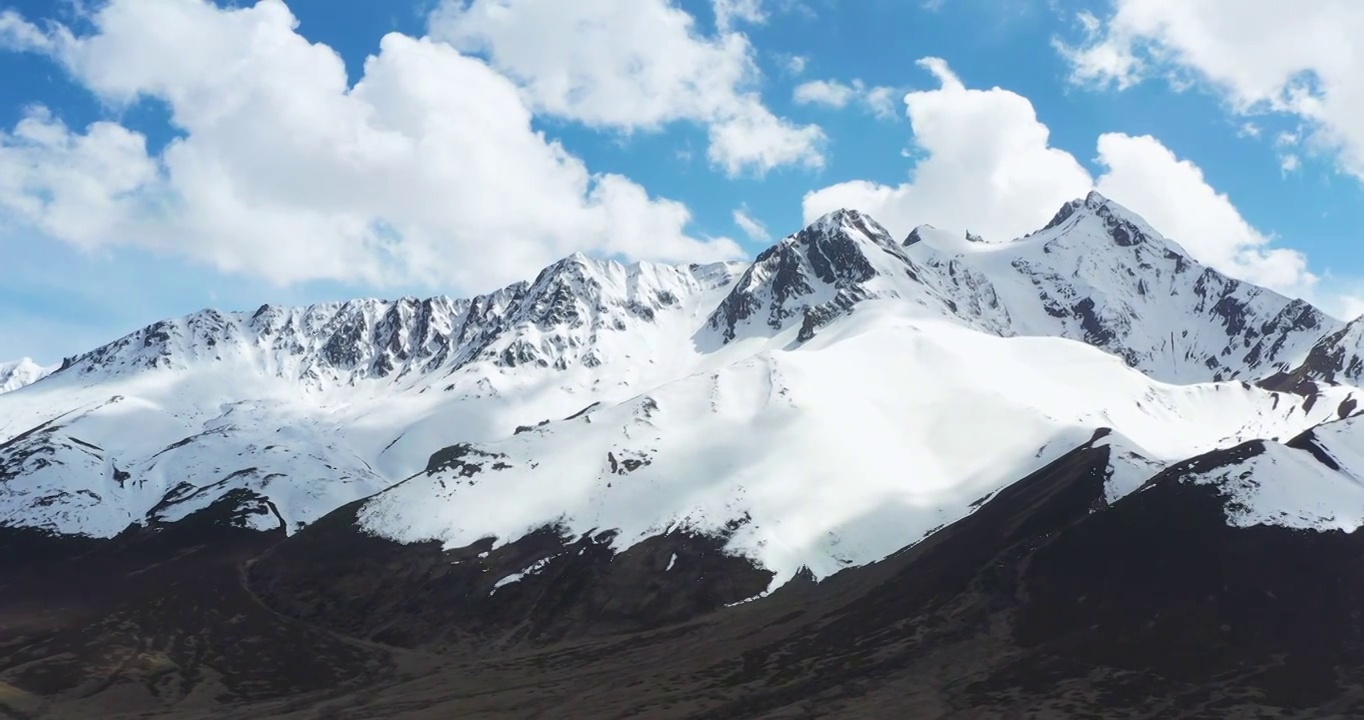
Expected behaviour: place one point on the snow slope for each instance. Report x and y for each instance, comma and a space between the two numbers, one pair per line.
831, 453
1313, 482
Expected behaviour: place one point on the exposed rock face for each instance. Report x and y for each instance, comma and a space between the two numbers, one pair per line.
1336, 358
815, 276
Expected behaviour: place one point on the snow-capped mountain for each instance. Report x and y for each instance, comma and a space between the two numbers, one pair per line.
833, 453
1098, 273
19, 373
564, 317
837, 399
308, 408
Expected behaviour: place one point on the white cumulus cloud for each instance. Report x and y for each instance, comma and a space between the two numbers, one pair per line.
18, 34
878, 100
792, 65
755, 230
425, 170
987, 166
634, 65
1261, 56
730, 12
824, 92
1177, 200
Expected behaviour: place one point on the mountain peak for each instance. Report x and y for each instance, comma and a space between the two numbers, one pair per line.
1094, 199
19, 373
845, 220
552, 322
837, 216
1094, 202
917, 234
815, 275
1115, 222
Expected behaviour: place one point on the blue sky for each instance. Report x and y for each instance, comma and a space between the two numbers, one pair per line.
1248, 164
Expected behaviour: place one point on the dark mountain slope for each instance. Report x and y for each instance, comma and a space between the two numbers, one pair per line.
335, 574
1044, 603
157, 621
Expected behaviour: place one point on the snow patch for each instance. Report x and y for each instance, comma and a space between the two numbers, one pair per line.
521, 575
1129, 467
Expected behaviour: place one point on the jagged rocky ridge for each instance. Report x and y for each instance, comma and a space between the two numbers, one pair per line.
1095, 273
1100, 274
553, 321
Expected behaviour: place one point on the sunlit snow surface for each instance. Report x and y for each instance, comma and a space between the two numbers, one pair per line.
838, 451
837, 400
1294, 487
